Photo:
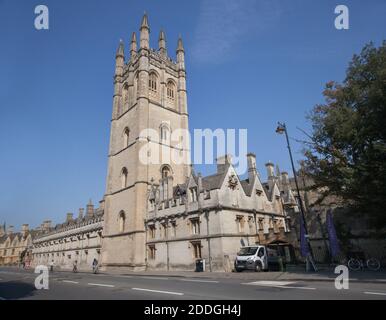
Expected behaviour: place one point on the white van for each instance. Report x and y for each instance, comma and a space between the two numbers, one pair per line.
255, 258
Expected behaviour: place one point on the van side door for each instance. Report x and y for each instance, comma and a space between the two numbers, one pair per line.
262, 255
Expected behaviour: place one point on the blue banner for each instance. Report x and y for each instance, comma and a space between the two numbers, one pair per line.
304, 249
334, 244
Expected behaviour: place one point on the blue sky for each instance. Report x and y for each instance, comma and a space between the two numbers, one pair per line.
250, 63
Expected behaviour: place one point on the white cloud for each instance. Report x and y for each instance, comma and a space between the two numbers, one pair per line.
223, 24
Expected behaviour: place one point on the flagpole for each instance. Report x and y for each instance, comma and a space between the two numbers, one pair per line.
282, 127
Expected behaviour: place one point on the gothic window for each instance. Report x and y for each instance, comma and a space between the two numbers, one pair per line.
165, 171
240, 223
153, 82
126, 136
122, 219
164, 133
164, 230
124, 178
193, 194
195, 225
174, 229
170, 90
152, 231
196, 250
125, 94
151, 252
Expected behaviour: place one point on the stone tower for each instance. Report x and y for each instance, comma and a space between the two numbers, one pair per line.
149, 108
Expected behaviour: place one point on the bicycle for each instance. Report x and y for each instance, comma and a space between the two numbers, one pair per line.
358, 262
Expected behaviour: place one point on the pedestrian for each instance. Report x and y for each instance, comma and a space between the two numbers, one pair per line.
52, 266
95, 265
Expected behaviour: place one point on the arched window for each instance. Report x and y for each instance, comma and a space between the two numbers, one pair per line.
125, 94
122, 219
170, 90
165, 171
153, 82
126, 135
124, 178
164, 133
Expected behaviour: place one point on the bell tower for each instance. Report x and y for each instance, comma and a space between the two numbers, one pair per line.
148, 139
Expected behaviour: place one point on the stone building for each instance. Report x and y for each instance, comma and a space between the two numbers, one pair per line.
149, 104
15, 247
161, 215
77, 239
212, 217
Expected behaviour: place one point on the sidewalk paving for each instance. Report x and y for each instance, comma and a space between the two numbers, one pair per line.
299, 275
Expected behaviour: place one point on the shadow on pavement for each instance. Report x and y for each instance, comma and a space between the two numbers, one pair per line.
15, 290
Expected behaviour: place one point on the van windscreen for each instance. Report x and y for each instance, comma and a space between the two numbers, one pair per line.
247, 251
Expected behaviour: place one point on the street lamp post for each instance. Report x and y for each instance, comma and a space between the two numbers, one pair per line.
283, 129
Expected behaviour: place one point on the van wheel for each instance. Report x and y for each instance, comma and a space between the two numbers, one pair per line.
258, 267
238, 269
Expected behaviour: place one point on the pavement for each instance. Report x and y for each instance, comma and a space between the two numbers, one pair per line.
17, 284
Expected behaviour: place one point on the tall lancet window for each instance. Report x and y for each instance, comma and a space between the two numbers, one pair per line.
170, 90
124, 178
164, 133
126, 136
122, 219
125, 94
153, 82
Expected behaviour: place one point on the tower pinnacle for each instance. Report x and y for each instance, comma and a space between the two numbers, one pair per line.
144, 33
162, 43
133, 45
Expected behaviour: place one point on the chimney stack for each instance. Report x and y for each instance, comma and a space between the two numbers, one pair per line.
81, 212
24, 229
270, 172
223, 163
90, 209
70, 217
284, 178
251, 160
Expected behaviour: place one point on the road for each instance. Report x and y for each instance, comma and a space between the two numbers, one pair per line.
19, 284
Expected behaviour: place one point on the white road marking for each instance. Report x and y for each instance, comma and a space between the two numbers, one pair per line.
156, 278
376, 293
287, 287
194, 280
69, 281
159, 291
101, 285
270, 283
278, 284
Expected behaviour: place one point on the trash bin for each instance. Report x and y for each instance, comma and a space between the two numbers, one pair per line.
199, 265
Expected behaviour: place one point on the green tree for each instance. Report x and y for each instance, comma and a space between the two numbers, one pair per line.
346, 151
